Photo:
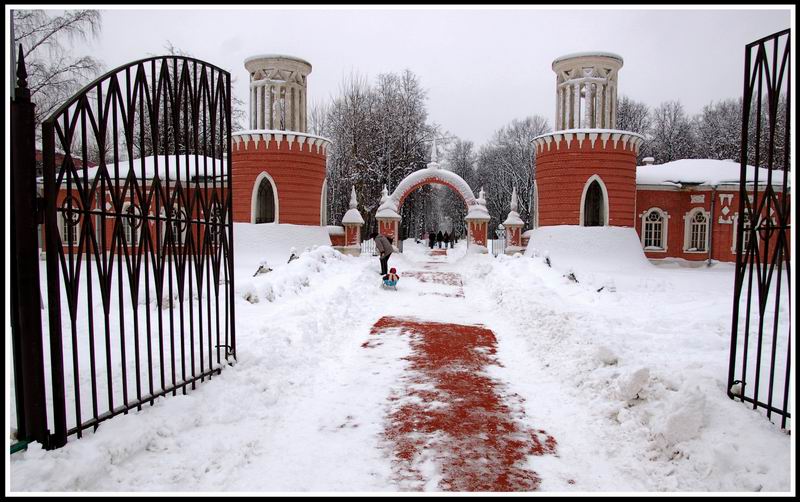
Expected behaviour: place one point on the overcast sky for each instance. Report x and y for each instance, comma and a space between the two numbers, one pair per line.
481, 68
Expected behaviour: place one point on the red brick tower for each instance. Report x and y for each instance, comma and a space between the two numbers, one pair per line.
586, 170
278, 168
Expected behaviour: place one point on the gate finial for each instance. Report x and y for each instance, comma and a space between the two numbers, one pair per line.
22, 76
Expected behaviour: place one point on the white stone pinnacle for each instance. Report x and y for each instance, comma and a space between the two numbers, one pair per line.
514, 204
353, 199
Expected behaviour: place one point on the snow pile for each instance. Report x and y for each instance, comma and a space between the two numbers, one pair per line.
589, 249
701, 171
631, 383
291, 279
273, 243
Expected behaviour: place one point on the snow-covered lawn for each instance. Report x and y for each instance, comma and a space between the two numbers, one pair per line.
630, 380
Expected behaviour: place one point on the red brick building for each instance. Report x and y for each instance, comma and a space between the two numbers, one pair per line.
586, 174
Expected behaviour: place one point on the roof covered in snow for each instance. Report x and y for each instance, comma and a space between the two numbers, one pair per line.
701, 172
174, 167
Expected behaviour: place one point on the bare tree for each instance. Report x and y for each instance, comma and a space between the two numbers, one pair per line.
672, 134
635, 116
506, 162
718, 130
54, 72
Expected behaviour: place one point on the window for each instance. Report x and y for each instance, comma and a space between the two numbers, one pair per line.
746, 232
697, 232
70, 222
131, 222
174, 226
215, 227
654, 230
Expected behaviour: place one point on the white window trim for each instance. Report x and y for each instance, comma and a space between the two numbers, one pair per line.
664, 229
733, 237
323, 204
254, 198
605, 197
687, 230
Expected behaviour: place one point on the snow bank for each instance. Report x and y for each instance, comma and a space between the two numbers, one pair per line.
631, 382
272, 242
585, 249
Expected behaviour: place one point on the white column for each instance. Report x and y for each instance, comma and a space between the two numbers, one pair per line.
297, 108
264, 101
282, 99
252, 107
576, 105
558, 106
589, 100
303, 125
259, 107
613, 107
271, 100
607, 106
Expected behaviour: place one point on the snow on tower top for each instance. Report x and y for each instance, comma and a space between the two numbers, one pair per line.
589, 54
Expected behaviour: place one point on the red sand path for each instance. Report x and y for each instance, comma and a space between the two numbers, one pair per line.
452, 413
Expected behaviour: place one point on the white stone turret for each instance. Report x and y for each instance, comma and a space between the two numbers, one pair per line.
278, 92
586, 90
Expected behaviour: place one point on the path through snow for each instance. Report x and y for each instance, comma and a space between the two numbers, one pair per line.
306, 408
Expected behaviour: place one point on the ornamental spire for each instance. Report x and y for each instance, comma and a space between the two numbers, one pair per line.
434, 163
514, 204
353, 199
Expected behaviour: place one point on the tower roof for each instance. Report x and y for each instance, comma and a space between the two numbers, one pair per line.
588, 54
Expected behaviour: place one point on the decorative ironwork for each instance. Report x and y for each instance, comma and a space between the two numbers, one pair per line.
760, 335
140, 298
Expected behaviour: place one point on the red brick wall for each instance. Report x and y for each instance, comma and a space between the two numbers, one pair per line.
298, 173
561, 174
150, 225
678, 203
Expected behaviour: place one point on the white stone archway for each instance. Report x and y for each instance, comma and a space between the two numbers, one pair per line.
477, 218
254, 199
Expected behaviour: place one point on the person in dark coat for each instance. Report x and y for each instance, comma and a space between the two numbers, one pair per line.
384, 248
446, 239
439, 238
431, 238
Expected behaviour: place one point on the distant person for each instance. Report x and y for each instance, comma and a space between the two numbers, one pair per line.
431, 239
384, 248
446, 239
439, 238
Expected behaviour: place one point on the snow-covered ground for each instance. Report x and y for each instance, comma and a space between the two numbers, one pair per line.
630, 380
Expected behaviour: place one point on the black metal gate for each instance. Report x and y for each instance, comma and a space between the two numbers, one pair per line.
759, 371
139, 243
